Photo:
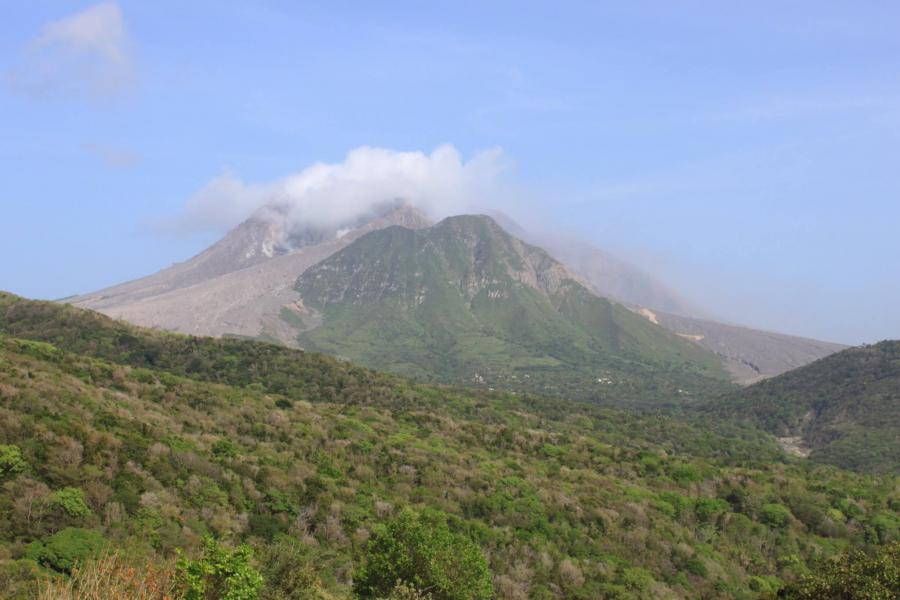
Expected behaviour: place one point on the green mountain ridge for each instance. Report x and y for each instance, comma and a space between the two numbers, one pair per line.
147, 441
465, 302
844, 408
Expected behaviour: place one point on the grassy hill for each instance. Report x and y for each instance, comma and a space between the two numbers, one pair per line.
148, 441
465, 302
844, 409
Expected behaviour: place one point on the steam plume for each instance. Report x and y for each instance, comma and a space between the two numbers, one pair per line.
330, 195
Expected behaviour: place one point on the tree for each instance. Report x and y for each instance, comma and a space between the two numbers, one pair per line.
853, 576
776, 515
219, 574
64, 549
420, 550
71, 501
11, 461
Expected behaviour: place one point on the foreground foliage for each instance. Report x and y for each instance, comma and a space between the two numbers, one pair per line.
329, 472
853, 576
420, 551
219, 573
111, 577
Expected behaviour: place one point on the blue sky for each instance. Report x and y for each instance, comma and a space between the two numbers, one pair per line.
749, 156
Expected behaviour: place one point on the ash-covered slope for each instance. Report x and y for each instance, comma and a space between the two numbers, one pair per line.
464, 301
750, 355
254, 241
242, 285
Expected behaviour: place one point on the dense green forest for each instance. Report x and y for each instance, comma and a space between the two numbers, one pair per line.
845, 407
277, 473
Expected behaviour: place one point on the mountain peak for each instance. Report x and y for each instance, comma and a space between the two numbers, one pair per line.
403, 213
244, 284
464, 300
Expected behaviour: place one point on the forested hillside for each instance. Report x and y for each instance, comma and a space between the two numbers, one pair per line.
465, 302
843, 409
336, 477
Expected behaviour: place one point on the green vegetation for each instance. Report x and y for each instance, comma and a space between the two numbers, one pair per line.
464, 302
46, 327
852, 576
338, 478
420, 551
219, 573
845, 407
62, 550
70, 501
111, 576
776, 515
11, 461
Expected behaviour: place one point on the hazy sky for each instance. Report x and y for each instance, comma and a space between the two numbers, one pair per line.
749, 156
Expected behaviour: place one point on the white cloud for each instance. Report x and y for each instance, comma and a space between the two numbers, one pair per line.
440, 183
85, 54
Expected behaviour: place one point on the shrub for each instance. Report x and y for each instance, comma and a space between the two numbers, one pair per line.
853, 576
219, 574
636, 578
696, 566
110, 577
406, 592
266, 526
11, 461
290, 573
419, 550
665, 508
776, 515
64, 549
677, 501
686, 474
18, 578
885, 527
767, 584
225, 449
707, 508
71, 501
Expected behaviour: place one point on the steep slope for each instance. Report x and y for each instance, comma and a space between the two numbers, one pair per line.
305, 457
608, 275
254, 241
464, 301
842, 410
750, 355
614, 278
242, 285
